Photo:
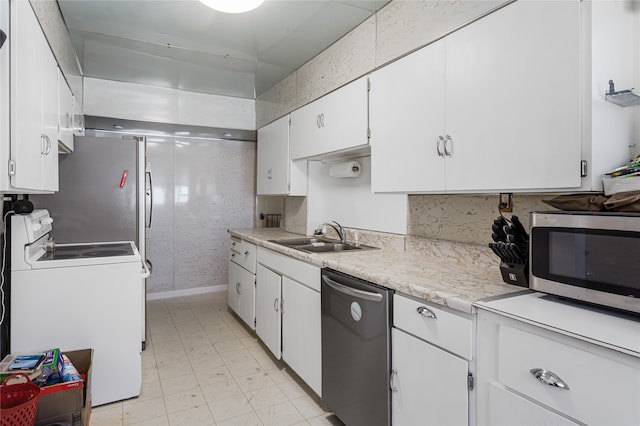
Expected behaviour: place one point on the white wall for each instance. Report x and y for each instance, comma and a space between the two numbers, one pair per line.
350, 202
106, 98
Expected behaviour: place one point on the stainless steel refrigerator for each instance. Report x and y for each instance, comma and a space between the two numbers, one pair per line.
105, 193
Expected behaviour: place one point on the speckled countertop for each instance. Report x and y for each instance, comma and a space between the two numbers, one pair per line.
450, 274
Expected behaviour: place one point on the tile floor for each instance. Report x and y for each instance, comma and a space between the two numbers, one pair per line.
202, 366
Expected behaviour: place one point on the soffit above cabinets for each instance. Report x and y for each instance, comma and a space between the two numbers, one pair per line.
183, 44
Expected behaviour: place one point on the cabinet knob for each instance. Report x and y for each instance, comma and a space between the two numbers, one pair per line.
275, 305
549, 378
238, 288
426, 312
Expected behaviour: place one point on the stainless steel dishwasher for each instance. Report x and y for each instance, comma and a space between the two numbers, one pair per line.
356, 356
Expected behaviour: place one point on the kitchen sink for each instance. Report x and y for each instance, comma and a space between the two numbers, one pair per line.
320, 245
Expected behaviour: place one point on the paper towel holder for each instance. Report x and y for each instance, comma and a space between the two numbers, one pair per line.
345, 169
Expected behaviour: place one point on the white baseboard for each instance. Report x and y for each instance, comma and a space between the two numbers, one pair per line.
186, 292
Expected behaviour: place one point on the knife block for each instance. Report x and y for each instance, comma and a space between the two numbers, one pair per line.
515, 273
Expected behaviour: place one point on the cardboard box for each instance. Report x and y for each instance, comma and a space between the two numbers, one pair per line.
69, 402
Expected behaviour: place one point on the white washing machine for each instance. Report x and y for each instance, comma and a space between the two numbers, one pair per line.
78, 296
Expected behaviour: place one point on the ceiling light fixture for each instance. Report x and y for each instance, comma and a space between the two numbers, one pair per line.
233, 6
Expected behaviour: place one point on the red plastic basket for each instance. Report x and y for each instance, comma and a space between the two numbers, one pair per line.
18, 401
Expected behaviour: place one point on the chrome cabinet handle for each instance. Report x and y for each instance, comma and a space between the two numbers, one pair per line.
448, 141
392, 385
426, 312
549, 378
238, 288
275, 305
320, 120
439, 143
269, 174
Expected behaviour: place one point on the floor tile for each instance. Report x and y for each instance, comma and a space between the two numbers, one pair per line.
220, 390
197, 416
148, 391
174, 357
184, 400
236, 356
245, 368
208, 376
207, 352
309, 407
265, 397
150, 375
249, 419
107, 415
182, 383
224, 409
139, 411
292, 389
284, 414
254, 382
228, 346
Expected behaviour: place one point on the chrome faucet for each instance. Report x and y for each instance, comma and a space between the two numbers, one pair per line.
336, 226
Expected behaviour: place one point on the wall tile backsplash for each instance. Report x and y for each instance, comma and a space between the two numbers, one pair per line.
465, 218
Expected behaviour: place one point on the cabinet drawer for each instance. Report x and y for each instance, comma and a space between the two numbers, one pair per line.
243, 253
603, 386
450, 331
304, 273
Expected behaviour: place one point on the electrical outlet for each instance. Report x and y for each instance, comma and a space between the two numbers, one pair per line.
506, 202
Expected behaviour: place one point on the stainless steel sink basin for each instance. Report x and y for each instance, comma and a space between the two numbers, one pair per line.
320, 245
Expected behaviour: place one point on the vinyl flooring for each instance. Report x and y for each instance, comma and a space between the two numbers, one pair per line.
202, 366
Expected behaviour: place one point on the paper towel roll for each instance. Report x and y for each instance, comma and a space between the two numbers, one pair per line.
346, 169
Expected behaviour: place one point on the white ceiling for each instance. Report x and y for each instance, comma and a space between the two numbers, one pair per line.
183, 44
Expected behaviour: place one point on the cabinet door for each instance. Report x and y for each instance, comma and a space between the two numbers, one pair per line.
50, 121
65, 113
268, 318
27, 142
429, 385
301, 338
335, 122
306, 131
241, 293
513, 99
406, 110
273, 158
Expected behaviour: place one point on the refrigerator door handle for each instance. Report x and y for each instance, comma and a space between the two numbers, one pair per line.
149, 191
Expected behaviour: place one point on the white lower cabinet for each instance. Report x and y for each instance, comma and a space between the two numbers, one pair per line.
428, 384
529, 375
268, 317
301, 338
431, 353
288, 313
241, 293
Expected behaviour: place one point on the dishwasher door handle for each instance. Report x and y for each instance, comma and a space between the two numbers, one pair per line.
367, 295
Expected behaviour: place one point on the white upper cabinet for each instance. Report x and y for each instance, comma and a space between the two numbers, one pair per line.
276, 173
333, 124
494, 106
34, 105
65, 115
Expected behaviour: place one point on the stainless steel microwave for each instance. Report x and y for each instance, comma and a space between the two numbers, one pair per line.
587, 256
